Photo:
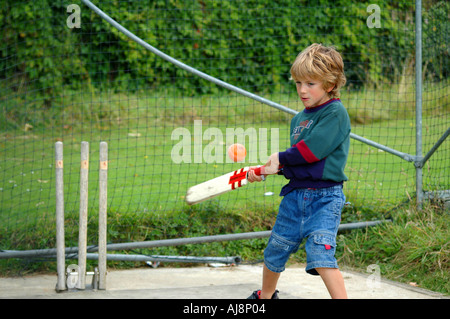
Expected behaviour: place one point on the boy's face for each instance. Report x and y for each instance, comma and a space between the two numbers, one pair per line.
311, 92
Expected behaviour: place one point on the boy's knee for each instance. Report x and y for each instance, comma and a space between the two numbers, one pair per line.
277, 252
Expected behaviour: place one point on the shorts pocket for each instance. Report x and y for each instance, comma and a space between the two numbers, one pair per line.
279, 244
282, 243
323, 244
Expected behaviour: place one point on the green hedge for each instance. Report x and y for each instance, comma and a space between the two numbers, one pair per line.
248, 43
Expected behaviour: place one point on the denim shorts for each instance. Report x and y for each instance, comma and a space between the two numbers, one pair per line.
313, 214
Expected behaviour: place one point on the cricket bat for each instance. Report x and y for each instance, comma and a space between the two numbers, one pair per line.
219, 185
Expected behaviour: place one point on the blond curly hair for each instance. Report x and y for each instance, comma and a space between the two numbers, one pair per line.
320, 63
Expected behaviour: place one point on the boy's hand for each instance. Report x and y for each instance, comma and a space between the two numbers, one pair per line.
272, 166
252, 177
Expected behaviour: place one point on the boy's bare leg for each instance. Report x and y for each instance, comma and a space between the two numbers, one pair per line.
334, 282
269, 284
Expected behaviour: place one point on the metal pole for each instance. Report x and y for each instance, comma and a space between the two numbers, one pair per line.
60, 241
102, 217
170, 242
103, 15
434, 148
405, 156
181, 64
82, 236
419, 176
161, 258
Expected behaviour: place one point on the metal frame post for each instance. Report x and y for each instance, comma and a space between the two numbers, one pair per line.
419, 176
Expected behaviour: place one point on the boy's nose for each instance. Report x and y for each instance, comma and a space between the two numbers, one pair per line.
303, 88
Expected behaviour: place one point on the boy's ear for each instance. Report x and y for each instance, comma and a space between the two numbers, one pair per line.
330, 88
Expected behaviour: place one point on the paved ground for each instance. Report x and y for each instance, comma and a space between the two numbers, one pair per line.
236, 282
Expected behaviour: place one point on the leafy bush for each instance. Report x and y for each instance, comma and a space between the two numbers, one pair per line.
251, 43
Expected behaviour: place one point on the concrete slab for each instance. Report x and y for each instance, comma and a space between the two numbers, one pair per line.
236, 282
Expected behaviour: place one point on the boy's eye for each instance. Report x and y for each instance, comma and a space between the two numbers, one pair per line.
308, 83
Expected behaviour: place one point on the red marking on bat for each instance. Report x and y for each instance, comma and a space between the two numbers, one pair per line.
237, 178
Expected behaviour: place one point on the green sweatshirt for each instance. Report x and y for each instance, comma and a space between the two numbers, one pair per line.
320, 139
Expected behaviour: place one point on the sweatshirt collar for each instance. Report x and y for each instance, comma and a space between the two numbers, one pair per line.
321, 106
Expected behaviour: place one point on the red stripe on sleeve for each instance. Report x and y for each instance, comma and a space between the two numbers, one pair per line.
306, 152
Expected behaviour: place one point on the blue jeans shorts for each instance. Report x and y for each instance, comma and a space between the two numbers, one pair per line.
313, 214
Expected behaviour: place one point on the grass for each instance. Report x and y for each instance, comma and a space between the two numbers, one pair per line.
138, 128
413, 249
139, 158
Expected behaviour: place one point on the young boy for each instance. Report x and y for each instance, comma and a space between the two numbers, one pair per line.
314, 165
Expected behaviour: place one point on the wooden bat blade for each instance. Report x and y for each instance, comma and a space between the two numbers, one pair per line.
216, 186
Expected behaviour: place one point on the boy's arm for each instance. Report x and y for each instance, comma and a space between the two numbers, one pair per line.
325, 137
272, 166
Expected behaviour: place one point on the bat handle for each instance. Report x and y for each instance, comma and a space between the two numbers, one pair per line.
257, 170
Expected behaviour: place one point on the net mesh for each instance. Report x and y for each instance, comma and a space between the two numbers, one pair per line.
60, 82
